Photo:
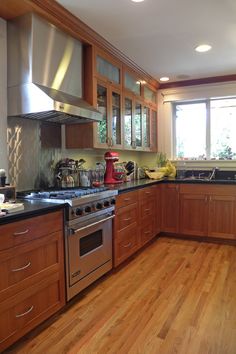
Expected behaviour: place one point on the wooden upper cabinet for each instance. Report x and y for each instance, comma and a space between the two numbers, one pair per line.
132, 83
150, 95
107, 68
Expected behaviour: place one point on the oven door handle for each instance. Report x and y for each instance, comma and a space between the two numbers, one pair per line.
74, 231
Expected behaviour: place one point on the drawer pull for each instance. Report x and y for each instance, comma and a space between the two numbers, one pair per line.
147, 192
147, 209
22, 268
25, 313
127, 199
21, 232
128, 245
127, 219
147, 232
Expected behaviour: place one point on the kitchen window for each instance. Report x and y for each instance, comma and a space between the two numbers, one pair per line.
205, 129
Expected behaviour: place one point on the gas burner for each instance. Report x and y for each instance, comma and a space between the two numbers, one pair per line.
73, 197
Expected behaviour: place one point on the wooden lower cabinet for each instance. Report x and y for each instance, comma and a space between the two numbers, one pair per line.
137, 221
208, 210
32, 285
222, 216
192, 214
170, 207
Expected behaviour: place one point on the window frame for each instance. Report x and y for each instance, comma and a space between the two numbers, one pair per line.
207, 102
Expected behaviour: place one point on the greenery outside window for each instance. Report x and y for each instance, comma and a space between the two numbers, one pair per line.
205, 129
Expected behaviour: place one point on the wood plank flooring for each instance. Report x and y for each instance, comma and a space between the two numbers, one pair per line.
176, 296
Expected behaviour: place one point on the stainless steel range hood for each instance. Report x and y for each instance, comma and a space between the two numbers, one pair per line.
45, 78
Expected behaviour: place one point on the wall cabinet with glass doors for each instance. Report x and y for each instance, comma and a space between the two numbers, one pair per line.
128, 123
140, 125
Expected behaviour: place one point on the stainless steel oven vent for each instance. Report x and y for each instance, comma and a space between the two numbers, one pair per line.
45, 76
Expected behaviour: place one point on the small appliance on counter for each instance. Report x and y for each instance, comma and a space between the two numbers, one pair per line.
111, 175
68, 172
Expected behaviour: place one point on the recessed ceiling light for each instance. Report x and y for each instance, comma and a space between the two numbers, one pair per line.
164, 78
203, 48
137, 0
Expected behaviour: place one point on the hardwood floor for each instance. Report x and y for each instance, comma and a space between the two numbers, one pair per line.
176, 296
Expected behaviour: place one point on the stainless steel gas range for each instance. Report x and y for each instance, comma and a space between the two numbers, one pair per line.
88, 233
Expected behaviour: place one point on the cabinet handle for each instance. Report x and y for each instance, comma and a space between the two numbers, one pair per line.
128, 245
210, 199
127, 219
111, 142
25, 313
147, 210
21, 233
147, 232
206, 199
126, 199
147, 192
22, 268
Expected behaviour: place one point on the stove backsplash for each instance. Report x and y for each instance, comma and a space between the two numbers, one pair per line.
30, 165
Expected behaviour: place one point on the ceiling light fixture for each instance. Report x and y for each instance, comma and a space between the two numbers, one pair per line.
203, 48
164, 78
137, 0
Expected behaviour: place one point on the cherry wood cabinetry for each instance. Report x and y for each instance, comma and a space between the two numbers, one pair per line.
170, 208
147, 214
31, 274
208, 210
137, 221
126, 227
128, 121
193, 211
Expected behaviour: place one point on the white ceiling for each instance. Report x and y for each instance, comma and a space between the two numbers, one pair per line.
160, 35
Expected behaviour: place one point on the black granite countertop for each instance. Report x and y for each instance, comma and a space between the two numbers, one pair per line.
31, 208
34, 208
128, 186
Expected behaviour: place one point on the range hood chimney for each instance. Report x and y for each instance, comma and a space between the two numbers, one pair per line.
45, 78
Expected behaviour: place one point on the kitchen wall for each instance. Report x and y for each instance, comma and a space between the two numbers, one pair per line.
31, 166
3, 96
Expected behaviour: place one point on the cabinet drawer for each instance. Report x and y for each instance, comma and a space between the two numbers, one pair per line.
147, 193
126, 243
147, 231
18, 317
147, 208
20, 265
18, 232
126, 216
126, 199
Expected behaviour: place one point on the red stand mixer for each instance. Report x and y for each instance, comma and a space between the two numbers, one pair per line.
111, 176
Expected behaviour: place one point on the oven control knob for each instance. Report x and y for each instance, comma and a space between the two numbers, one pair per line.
87, 209
99, 206
106, 203
79, 211
113, 201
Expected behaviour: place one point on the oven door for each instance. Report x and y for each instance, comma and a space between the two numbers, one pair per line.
89, 247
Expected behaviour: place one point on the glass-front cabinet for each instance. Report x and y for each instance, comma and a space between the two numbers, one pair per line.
139, 125
108, 131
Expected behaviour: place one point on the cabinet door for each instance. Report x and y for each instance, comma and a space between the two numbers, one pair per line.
108, 70
102, 106
137, 131
222, 215
158, 210
153, 133
170, 208
146, 127
115, 121
132, 84
128, 122
193, 214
